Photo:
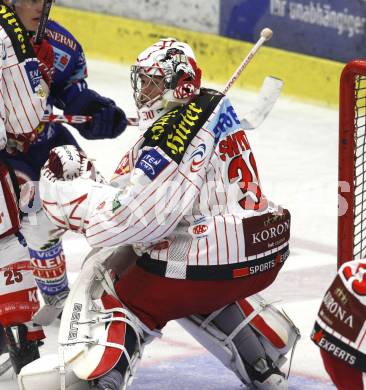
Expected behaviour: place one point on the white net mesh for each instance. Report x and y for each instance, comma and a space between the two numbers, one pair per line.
359, 197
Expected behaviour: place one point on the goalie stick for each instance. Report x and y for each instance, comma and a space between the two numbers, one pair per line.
266, 35
268, 95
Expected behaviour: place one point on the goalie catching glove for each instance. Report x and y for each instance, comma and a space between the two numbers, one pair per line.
70, 188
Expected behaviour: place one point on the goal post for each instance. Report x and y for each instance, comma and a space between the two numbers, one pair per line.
352, 163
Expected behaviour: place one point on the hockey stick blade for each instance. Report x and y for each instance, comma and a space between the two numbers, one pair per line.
5, 366
268, 95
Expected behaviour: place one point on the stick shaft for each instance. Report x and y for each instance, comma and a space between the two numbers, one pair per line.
43, 21
79, 119
244, 64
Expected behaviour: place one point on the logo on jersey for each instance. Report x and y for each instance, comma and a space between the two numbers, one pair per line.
123, 167
116, 204
61, 38
62, 59
233, 145
198, 158
342, 311
199, 230
226, 121
33, 73
15, 31
152, 163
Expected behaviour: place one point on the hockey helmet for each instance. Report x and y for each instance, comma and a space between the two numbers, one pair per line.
27, 3
164, 73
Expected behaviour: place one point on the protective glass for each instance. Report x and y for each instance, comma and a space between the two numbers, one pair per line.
148, 84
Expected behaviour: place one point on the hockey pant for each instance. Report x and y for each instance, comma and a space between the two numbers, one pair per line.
344, 376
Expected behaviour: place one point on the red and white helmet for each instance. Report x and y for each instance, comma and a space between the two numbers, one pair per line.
165, 75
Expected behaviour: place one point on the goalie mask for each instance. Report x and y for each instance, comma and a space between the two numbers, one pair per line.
164, 76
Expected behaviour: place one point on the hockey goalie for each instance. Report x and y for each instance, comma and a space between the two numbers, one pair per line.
183, 231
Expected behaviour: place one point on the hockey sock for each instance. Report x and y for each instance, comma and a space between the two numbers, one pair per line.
49, 268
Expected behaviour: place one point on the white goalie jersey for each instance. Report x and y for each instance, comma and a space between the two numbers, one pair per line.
187, 196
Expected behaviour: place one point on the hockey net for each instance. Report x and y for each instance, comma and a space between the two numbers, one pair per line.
352, 163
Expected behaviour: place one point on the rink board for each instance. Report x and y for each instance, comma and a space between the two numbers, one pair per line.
119, 39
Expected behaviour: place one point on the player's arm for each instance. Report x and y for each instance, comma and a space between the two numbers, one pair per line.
157, 196
75, 98
24, 96
149, 207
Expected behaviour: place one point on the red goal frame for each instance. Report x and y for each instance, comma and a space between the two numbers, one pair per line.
352, 159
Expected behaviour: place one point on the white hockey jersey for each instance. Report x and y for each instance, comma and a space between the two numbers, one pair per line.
22, 102
187, 197
340, 327
190, 197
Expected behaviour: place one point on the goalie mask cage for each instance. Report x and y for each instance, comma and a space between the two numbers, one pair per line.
352, 163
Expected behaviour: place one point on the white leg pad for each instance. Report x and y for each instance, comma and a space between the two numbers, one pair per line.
44, 373
277, 335
214, 341
92, 332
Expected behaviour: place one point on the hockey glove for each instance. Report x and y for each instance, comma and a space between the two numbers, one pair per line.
109, 121
70, 188
46, 59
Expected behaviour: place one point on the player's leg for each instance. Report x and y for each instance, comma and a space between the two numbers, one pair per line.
250, 337
342, 374
45, 247
18, 303
18, 297
49, 265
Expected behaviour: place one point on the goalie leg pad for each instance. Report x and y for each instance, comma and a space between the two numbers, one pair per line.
97, 332
229, 335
